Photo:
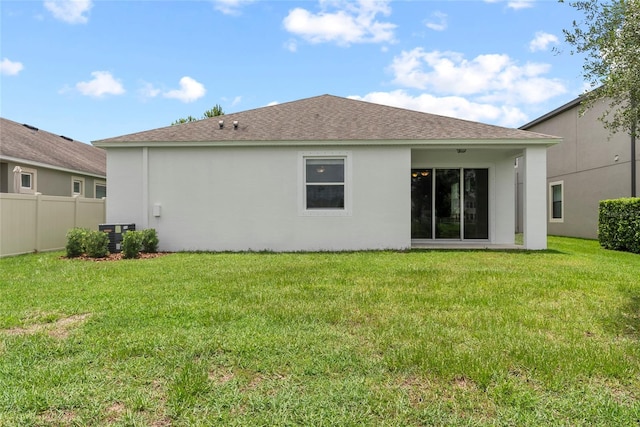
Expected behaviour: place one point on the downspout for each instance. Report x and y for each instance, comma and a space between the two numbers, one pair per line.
633, 160
633, 144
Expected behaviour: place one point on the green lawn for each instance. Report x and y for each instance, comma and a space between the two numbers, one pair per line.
368, 338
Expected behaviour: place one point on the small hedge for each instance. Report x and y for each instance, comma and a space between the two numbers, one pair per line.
80, 241
132, 243
619, 224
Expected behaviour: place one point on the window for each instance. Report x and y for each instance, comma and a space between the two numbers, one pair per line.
556, 201
100, 190
325, 184
77, 186
28, 180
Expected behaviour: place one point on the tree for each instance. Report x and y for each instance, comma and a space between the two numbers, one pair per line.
215, 111
609, 37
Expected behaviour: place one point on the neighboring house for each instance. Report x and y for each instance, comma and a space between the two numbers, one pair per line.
35, 161
589, 166
327, 173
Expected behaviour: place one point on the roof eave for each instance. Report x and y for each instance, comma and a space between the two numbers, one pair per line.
52, 167
290, 143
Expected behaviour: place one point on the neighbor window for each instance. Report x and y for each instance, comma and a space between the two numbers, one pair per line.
556, 201
325, 185
100, 190
28, 180
77, 185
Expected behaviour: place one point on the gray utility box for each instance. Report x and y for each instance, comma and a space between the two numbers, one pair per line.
115, 232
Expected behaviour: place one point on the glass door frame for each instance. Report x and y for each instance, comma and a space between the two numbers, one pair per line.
461, 190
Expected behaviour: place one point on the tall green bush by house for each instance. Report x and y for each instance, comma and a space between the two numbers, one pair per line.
619, 224
131, 243
150, 241
96, 244
75, 242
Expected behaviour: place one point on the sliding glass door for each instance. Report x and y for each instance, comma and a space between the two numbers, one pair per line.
450, 203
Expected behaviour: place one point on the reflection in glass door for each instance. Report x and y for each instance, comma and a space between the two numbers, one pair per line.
447, 201
450, 203
421, 203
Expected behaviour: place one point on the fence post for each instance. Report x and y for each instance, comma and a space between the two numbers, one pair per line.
39, 219
76, 210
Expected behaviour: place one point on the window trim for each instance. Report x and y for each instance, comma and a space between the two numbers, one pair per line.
33, 173
302, 179
75, 179
551, 217
95, 187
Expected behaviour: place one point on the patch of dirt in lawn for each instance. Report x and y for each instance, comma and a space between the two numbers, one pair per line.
59, 329
118, 256
58, 417
115, 411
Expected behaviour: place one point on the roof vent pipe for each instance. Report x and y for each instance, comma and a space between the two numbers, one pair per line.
221, 124
235, 124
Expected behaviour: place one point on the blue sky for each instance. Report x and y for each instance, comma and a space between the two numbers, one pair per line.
94, 69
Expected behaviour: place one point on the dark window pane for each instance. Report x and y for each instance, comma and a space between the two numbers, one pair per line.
325, 196
421, 181
476, 203
26, 180
325, 170
101, 191
557, 201
447, 203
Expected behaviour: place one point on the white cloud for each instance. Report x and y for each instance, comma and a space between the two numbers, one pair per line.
10, 68
230, 7
103, 83
70, 11
190, 90
343, 22
520, 4
291, 45
542, 41
237, 100
490, 77
148, 90
450, 106
438, 21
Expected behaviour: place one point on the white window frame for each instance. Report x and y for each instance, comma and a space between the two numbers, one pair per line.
302, 188
551, 185
75, 179
95, 187
34, 181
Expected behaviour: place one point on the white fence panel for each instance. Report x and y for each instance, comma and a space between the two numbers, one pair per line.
36, 223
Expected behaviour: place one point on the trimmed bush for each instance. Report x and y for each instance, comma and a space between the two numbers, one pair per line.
619, 224
96, 244
150, 241
131, 244
75, 242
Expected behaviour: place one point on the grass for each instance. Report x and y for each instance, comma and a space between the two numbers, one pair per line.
367, 338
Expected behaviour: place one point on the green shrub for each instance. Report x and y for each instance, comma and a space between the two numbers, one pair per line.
75, 242
619, 224
149, 241
131, 244
96, 244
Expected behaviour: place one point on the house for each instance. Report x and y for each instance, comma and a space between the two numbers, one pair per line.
590, 165
36, 161
327, 173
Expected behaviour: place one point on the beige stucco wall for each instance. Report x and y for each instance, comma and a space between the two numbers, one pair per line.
592, 164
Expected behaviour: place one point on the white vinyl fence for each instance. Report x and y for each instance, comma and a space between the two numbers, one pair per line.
36, 223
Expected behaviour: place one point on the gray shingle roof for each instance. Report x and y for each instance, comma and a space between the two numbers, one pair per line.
28, 143
328, 118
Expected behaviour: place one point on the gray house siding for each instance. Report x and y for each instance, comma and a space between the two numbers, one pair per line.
590, 164
48, 181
